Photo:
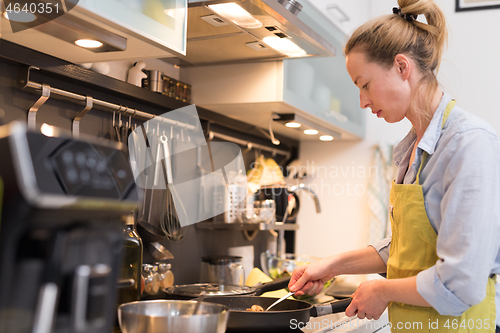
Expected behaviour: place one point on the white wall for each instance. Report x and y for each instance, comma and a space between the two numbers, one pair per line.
470, 72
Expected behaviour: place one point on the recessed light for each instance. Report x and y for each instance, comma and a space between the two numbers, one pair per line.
236, 14
326, 138
284, 45
21, 16
292, 125
88, 43
310, 132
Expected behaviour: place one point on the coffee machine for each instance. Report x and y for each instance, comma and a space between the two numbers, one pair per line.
60, 230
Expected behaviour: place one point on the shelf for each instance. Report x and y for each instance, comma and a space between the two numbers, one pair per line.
246, 226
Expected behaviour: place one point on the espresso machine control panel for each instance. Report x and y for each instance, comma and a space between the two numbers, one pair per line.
62, 200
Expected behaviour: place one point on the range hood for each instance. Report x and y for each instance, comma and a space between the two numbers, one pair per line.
213, 38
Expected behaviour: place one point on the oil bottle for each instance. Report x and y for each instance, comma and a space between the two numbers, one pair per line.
130, 273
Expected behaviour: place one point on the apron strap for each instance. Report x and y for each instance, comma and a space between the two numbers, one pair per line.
447, 111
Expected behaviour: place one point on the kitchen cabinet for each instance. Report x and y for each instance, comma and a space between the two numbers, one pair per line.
135, 29
162, 22
318, 90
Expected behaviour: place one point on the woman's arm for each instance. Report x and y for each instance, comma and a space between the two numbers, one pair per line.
309, 279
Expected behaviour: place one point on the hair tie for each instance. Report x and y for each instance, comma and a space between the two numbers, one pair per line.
408, 17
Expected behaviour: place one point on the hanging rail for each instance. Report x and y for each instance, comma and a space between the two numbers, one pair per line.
47, 91
212, 134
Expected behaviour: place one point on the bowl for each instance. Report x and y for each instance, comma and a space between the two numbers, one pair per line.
163, 316
277, 267
256, 215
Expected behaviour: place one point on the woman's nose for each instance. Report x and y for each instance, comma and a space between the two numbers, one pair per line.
364, 101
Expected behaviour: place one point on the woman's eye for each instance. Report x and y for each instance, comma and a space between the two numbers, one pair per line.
365, 86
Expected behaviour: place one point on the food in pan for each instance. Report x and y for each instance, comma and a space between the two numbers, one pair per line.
256, 308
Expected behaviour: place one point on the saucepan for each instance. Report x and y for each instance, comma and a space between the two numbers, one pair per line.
162, 316
277, 319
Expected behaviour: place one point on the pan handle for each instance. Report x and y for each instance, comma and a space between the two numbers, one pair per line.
273, 285
329, 308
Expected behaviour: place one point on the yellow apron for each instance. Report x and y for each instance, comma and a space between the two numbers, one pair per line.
412, 250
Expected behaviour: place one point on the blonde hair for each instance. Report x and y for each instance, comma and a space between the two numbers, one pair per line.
381, 39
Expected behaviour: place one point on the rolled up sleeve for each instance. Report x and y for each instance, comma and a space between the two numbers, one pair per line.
469, 232
382, 247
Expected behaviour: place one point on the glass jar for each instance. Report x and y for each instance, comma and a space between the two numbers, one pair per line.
151, 280
166, 277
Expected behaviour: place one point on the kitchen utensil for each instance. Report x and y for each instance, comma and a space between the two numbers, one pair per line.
190, 291
169, 220
276, 320
280, 300
149, 232
222, 270
198, 301
159, 252
155, 81
276, 267
161, 316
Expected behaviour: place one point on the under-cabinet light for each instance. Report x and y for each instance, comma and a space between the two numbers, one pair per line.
88, 43
326, 138
292, 125
21, 16
236, 14
312, 127
311, 132
284, 45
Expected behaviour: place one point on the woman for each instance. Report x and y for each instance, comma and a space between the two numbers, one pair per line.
443, 255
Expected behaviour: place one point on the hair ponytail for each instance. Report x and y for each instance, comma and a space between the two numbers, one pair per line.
381, 39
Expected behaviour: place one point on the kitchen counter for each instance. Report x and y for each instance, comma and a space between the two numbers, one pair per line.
337, 323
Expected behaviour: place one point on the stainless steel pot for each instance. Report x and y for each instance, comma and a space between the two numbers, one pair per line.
161, 316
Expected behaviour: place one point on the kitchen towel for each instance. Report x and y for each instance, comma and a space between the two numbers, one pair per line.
378, 191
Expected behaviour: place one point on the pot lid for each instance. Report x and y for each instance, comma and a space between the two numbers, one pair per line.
210, 289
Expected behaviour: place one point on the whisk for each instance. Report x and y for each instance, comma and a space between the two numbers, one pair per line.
169, 221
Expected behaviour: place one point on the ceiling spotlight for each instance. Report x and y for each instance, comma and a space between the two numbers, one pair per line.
326, 138
311, 132
88, 43
292, 125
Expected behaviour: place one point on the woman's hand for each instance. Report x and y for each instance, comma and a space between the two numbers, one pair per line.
369, 301
310, 279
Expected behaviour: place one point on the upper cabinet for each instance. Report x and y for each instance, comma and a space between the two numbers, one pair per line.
197, 32
127, 29
316, 92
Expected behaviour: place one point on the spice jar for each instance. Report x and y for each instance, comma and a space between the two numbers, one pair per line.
151, 279
180, 91
165, 275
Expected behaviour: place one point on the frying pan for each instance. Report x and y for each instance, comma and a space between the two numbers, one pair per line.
279, 319
189, 291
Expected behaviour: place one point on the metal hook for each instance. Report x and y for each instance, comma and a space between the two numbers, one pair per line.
89, 103
34, 109
249, 147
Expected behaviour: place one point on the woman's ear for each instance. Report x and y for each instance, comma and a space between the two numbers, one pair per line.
403, 65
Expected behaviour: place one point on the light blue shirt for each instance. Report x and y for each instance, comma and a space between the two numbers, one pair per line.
461, 185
